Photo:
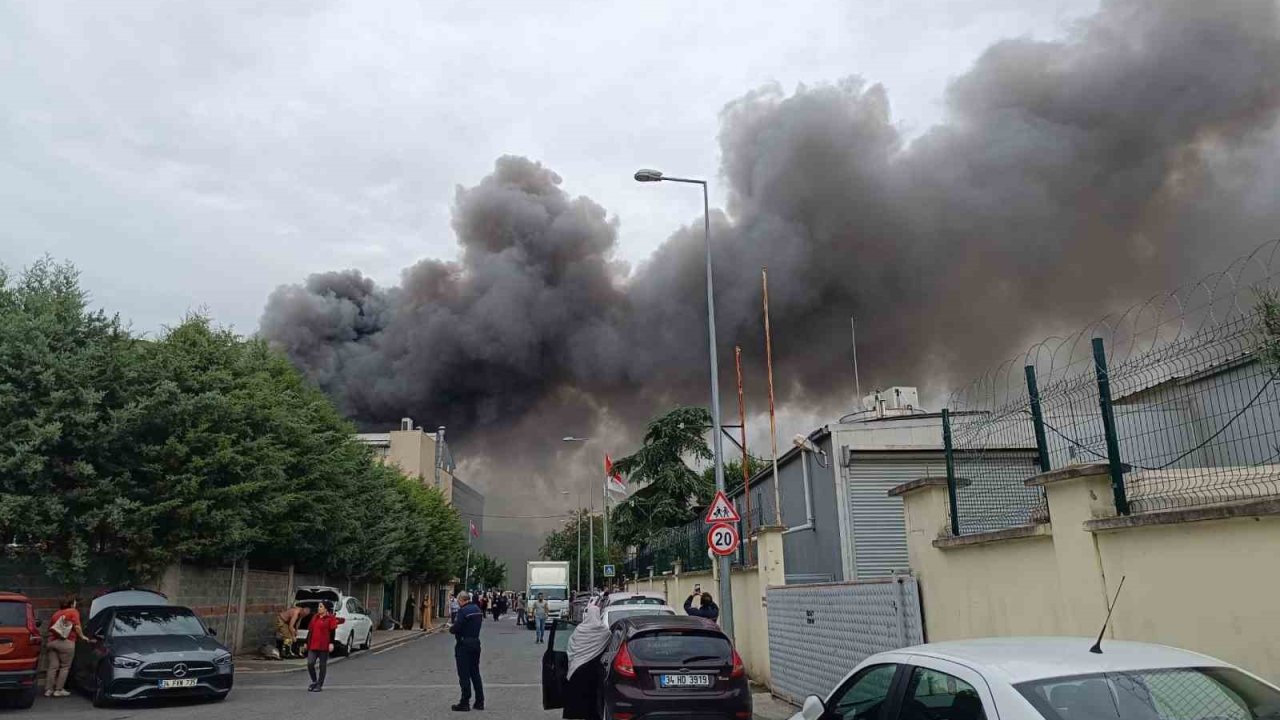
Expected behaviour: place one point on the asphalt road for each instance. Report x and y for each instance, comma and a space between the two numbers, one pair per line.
415, 680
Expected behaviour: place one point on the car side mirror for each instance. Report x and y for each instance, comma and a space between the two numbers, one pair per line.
213, 632
813, 708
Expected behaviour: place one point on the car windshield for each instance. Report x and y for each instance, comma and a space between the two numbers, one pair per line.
1171, 694
158, 621
674, 646
550, 593
616, 615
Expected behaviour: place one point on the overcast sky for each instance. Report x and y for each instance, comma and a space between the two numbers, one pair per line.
190, 158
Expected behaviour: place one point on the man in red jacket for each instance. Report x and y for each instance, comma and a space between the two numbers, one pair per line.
320, 643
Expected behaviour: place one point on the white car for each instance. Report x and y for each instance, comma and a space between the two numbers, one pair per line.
1045, 679
638, 598
356, 630
614, 613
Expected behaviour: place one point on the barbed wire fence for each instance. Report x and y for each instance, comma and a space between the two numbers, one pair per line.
1177, 395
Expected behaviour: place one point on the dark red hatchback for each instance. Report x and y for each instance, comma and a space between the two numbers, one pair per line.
655, 667
19, 651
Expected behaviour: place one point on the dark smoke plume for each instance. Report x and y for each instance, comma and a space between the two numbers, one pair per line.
1069, 178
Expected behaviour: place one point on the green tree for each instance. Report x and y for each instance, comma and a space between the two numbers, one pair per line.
562, 545
486, 572
670, 491
1267, 326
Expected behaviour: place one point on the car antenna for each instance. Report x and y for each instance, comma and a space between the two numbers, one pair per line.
1097, 646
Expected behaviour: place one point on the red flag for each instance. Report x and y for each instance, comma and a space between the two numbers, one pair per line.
613, 478
475, 532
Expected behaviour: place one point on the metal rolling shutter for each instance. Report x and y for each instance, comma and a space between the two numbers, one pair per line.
879, 531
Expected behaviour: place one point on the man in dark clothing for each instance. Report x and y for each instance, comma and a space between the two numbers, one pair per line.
707, 607
466, 652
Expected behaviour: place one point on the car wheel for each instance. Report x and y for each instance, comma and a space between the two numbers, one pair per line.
342, 649
368, 640
100, 698
24, 699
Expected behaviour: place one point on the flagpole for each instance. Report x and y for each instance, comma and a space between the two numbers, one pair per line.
466, 574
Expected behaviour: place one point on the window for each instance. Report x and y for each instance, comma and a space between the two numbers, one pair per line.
934, 695
665, 647
13, 614
1173, 694
863, 697
351, 605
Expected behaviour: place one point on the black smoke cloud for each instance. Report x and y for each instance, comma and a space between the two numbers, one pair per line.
1069, 178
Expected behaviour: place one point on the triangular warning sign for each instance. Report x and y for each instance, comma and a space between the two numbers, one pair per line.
722, 510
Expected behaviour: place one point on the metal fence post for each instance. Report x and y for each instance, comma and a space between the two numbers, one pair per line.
1037, 418
1109, 427
951, 471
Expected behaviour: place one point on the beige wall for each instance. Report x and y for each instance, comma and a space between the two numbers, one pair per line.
750, 619
414, 452
1205, 585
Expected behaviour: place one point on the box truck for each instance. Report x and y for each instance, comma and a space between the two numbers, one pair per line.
550, 579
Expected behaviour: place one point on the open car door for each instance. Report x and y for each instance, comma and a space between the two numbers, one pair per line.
555, 670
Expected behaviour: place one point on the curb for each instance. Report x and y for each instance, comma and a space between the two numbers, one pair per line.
334, 661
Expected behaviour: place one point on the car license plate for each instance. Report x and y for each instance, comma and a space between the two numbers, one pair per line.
684, 681
182, 683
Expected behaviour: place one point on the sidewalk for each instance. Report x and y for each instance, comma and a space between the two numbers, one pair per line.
767, 707
250, 662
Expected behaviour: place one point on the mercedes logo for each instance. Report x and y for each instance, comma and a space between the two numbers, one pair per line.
180, 670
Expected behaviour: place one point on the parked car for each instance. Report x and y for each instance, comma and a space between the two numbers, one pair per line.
578, 610
19, 651
638, 598
614, 613
1044, 679
654, 666
146, 648
356, 630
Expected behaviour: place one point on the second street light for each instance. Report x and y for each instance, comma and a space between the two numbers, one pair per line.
726, 599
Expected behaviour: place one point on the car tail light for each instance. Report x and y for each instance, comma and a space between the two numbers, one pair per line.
743, 715
623, 715
32, 630
622, 663
738, 669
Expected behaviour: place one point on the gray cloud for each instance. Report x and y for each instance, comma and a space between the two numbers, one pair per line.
1062, 183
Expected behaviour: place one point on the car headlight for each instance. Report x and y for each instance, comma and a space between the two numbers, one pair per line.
125, 663
223, 659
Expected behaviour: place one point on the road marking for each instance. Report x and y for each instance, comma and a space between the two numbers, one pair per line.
389, 648
450, 686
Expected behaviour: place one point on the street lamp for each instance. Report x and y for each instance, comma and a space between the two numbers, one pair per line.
649, 175
591, 529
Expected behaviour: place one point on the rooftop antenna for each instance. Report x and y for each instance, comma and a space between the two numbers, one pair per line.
1097, 646
857, 384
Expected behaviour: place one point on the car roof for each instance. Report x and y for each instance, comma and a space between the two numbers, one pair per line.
6, 596
633, 626
655, 609
1021, 659
622, 598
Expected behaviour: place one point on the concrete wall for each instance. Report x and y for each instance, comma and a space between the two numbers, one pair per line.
1200, 579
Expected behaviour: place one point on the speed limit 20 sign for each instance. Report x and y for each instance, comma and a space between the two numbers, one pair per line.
722, 538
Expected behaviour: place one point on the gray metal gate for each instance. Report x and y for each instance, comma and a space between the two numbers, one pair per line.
818, 633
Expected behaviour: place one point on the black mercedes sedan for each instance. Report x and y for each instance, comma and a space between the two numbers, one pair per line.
150, 651
654, 666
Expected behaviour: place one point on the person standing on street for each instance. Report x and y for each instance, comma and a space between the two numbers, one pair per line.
499, 607
540, 617
466, 652
320, 644
64, 630
522, 617
453, 608
706, 607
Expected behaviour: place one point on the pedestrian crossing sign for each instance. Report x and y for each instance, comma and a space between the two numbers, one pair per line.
722, 510
608, 571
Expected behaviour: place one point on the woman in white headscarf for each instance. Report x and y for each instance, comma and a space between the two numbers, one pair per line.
586, 645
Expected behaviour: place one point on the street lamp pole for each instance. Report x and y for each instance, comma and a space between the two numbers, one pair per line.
591, 530
717, 449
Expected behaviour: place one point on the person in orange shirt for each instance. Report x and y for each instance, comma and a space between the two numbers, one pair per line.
320, 644
64, 630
